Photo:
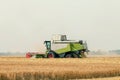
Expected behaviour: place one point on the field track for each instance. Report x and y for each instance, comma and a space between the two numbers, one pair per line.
18, 68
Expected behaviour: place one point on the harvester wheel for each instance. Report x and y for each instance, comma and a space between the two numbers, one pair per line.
68, 56
75, 55
51, 55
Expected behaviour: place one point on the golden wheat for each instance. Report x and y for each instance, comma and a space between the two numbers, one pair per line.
108, 78
13, 68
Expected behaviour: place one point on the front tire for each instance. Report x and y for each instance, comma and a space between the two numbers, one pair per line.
51, 55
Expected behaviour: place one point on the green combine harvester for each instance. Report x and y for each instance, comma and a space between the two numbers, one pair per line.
60, 47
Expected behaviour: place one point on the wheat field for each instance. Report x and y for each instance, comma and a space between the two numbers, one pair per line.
18, 68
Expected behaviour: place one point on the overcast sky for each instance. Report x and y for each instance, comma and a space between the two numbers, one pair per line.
25, 24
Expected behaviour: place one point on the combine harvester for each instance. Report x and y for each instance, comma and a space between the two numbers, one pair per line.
60, 47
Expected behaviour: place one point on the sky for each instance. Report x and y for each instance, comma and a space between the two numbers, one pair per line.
26, 24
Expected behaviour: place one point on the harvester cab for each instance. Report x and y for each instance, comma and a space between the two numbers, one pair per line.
48, 45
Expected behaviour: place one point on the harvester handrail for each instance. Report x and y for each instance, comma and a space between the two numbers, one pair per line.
65, 42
